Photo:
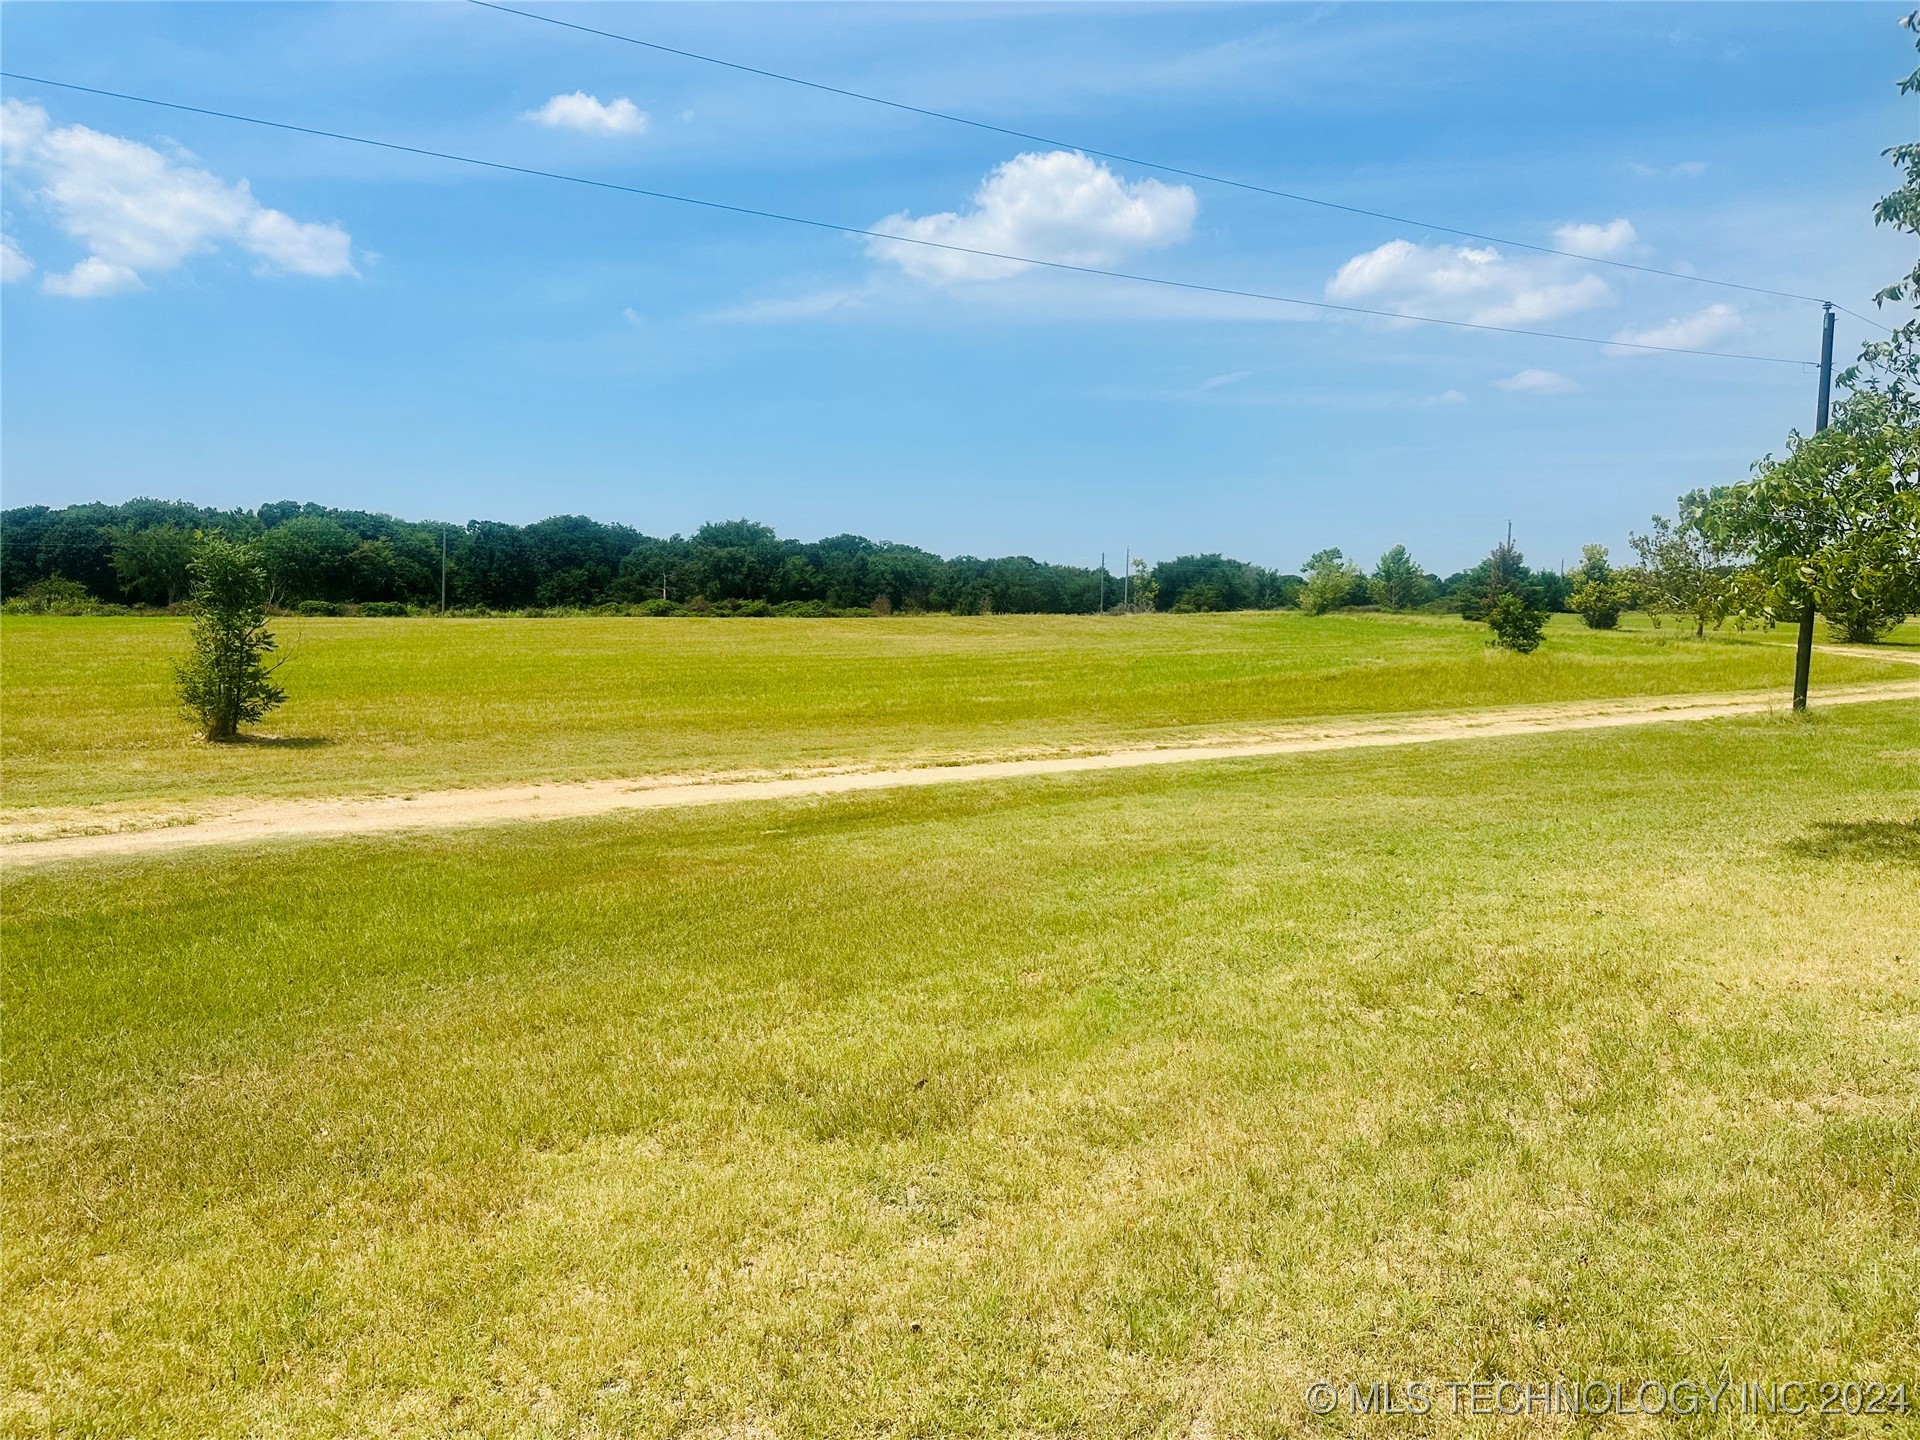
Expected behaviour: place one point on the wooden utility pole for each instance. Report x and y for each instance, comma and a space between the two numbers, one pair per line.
1803, 654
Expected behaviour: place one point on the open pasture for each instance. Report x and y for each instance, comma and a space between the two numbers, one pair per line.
88, 717
1117, 1105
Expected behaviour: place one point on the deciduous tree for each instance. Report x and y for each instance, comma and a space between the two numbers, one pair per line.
226, 682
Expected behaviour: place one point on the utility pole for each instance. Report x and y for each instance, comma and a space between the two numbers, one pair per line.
1126, 581
1803, 654
443, 569
1103, 582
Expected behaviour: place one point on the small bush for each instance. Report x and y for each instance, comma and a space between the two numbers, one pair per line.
316, 607
384, 609
1516, 625
753, 608
55, 596
1599, 603
800, 609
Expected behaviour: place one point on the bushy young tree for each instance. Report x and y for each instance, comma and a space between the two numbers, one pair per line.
1397, 583
1503, 572
1330, 580
226, 682
1599, 592
1687, 569
1515, 624
1142, 589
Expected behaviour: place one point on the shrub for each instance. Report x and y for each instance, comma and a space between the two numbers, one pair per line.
384, 609
54, 596
1516, 625
801, 609
1599, 603
754, 608
316, 607
225, 682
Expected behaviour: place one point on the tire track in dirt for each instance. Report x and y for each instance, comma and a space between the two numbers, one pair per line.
458, 809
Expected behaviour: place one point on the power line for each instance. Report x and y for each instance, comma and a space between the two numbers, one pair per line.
1188, 285
1145, 164
1868, 319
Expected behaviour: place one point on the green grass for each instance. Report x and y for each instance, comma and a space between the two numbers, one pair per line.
1114, 1105
87, 715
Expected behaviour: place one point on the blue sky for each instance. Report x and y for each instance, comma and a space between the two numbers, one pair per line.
219, 313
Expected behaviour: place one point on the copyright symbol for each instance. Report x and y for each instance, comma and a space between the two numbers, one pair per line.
1322, 1397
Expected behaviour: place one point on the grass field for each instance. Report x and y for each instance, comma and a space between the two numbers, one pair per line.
87, 715
1118, 1105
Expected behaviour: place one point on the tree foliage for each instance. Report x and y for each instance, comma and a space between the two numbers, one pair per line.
1892, 366
1515, 624
1600, 593
1398, 583
225, 681
1330, 582
1687, 568
1835, 522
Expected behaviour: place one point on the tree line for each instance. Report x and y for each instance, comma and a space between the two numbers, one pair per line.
319, 558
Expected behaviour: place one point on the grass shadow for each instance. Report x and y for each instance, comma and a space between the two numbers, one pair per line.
1895, 840
275, 742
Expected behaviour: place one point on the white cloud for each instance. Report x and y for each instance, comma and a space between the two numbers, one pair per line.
137, 211
581, 111
14, 264
1056, 206
1232, 377
1537, 382
91, 279
782, 309
1685, 170
1687, 332
1445, 397
1463, 283
1600, 241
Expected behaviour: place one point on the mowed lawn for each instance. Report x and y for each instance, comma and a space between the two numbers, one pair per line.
88, 716
1106, 1105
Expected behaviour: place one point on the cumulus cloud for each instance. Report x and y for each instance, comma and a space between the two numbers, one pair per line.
1464, 283
1687, 332
137, 211
1055, 206
1601, 241
14, 264
92, 278
581, 111
1537, 382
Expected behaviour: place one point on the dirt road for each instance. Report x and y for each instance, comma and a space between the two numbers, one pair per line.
447, 809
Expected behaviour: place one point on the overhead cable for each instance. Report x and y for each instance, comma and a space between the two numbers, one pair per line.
864, 233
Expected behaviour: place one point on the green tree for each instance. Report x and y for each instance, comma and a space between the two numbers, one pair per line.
1892, 366
1503, 572
226, 682
1330, 580
1835, 522
1687, 568
1398, 583
306, 558
1515, 624
1599, 592
154, 564
1142, 588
